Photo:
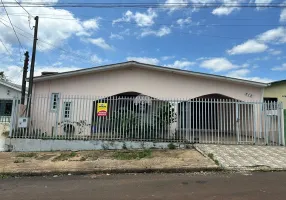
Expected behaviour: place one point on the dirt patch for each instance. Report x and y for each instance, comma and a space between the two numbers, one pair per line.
105, 160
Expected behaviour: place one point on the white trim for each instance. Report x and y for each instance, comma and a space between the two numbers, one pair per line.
52, 102
10, 86
148, 66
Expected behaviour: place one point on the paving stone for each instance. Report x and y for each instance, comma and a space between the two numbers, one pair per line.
231, 156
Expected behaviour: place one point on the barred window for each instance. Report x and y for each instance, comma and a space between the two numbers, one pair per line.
67, 110
54, 101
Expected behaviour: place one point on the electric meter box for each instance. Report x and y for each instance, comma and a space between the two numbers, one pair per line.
23, 122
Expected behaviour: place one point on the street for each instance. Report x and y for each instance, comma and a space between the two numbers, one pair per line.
270, 185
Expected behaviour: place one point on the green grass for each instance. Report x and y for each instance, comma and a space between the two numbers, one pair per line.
171, 146
216, 162
211, 156
64, 156
132, 155
27, 155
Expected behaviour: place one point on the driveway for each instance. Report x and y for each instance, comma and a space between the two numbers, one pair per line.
246, 156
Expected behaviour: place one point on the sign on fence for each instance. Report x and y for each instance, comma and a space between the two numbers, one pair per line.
102, 109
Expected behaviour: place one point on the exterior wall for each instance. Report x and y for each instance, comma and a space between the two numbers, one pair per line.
26, 145
148, 82
152, 83
4, 95
277, 91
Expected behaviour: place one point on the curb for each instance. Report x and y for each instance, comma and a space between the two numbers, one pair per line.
115, 171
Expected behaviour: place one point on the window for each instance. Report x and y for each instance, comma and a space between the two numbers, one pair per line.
67, 110
270, 103
54, 101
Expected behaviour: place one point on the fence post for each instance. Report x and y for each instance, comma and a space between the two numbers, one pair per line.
282, 124
12, 118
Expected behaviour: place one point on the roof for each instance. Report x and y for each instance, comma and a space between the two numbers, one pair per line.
146, 66
277, 82
11, 85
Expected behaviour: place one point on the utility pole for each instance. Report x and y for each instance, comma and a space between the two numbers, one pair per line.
31, 80
25, 70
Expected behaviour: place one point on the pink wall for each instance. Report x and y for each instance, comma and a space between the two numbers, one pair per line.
153, 83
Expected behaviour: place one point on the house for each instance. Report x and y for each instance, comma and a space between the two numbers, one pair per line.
148, 102
8, 91
276, 91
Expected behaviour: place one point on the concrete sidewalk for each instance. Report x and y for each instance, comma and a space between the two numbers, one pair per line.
246, 156
106, 161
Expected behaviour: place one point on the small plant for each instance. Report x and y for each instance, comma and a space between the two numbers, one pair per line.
132, 155
3, 176
211, 156
64, 156
27, 155
82, 159
19, 161
171, 146
216, 162
124, 146
5, 133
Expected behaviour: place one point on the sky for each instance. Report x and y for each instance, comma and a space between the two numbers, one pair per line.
246, 43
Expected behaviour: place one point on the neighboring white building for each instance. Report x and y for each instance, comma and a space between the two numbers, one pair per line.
8, 91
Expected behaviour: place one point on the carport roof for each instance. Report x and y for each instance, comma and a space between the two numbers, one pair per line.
146, 66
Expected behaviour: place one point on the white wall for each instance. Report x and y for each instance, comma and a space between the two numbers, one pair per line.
4, 91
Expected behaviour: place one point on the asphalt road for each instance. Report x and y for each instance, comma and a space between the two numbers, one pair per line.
258, 186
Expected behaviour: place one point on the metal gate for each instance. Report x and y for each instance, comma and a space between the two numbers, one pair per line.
259, 123
211, 121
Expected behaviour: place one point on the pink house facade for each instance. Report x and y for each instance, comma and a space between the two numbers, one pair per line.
72, 97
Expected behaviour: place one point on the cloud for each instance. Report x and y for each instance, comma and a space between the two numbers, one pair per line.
283, 15
147, 60
224, 10
4, 46
274, 52
95, 59
164, 30
250, 46
218, 64
239, 73
14, 73
243, 74
116, 36
181, 64
276, 36
167, 57
169, 4
91, 24
185, 21
280, 68
141, 19
54, 31
100, 42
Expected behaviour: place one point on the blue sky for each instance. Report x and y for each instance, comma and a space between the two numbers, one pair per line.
246, 43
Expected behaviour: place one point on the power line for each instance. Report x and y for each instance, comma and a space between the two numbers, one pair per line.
147, 5
13, 29
129, 22
5, 47
23, 8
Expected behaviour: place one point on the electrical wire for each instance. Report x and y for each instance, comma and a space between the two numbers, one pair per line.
147, 5
14, 31
29, 14
5, 47
23, 7
167, 24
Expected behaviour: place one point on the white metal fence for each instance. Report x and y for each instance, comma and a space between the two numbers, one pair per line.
142, 118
